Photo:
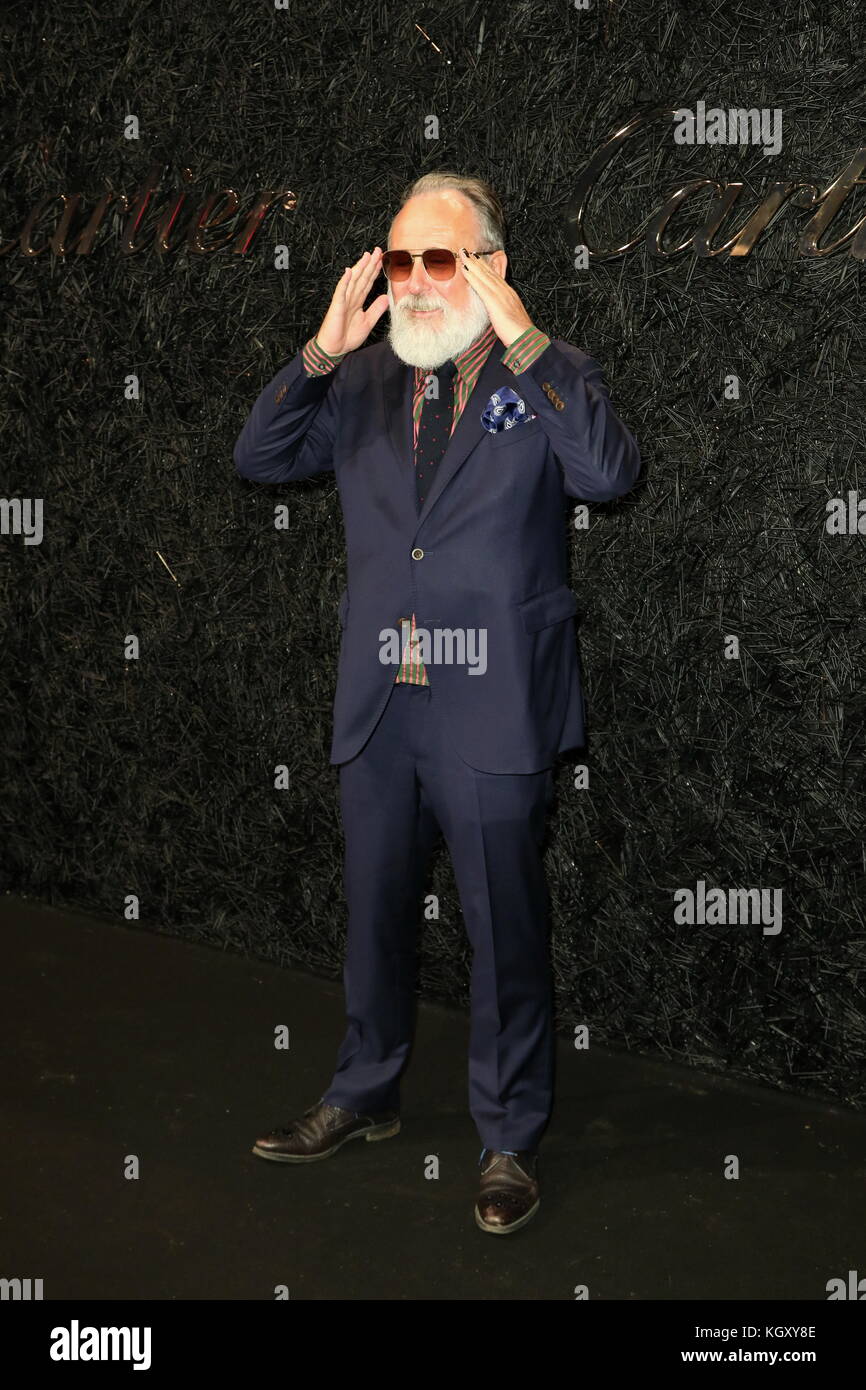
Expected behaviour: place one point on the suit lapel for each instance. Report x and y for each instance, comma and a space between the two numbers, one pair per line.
469, 430
398, 383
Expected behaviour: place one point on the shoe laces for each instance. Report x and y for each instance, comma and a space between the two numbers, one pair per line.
295, 1126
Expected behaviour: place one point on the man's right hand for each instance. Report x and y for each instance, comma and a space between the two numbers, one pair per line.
347, 324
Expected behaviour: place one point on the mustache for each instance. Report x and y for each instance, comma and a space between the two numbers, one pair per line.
420, 301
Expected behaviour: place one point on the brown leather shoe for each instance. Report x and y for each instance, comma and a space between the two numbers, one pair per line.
322, 1130
508, 1196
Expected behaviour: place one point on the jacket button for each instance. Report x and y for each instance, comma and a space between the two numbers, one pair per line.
417, 554
545, 386
280, 393
560, 405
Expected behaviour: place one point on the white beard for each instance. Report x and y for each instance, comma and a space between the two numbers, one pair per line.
420, 344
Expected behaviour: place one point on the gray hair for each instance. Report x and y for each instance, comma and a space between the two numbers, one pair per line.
481, 195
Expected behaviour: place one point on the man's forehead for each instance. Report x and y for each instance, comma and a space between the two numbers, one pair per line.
432, 216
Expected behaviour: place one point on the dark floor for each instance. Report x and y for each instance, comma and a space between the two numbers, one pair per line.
123, 1042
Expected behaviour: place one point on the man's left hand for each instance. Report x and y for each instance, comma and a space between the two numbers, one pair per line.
503, 304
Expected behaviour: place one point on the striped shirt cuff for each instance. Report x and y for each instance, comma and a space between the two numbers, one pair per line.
317, 362
524, 350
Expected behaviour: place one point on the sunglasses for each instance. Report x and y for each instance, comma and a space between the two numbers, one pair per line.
438, 263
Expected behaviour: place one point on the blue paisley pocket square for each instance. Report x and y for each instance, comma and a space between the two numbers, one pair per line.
504, 410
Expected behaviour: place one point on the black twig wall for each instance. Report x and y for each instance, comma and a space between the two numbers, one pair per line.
154, 776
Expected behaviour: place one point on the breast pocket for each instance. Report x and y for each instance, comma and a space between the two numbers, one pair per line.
526, 432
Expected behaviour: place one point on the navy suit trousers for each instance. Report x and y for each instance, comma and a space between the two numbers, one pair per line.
405, 785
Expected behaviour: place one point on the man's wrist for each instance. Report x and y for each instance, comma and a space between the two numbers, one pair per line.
317, 362
521, 354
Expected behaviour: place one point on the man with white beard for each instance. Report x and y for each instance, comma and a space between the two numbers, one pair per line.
455, 444
427, 329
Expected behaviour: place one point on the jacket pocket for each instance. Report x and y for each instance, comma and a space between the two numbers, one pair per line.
526, 431
550, 607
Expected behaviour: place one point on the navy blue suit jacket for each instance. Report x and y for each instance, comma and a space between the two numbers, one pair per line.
488, 548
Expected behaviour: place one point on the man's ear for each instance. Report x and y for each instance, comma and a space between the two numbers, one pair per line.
498, 262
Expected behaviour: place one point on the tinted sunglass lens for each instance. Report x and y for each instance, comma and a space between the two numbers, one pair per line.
397, 265
439, 264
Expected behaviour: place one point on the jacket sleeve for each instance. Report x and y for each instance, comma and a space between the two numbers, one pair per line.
598, 455
290, 431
